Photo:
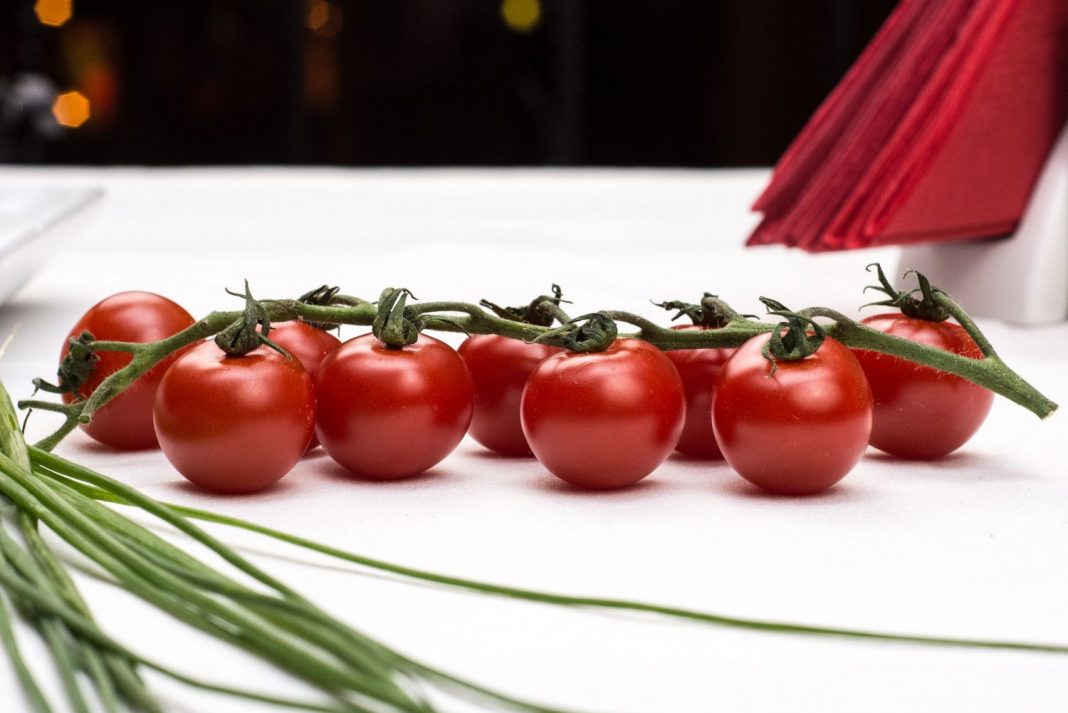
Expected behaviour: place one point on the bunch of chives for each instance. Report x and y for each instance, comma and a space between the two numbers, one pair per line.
353, 672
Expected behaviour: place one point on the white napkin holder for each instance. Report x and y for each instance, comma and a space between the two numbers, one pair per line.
1022, 278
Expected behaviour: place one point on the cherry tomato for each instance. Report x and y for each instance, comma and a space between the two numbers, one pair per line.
234, 424
921, 412
604, 419
307, 343
386, 413
125, 422
798, 430
698, 369
499, 367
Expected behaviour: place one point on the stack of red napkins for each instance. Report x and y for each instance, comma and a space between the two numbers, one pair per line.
938, 132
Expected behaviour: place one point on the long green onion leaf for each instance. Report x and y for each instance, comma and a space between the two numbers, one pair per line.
114, 491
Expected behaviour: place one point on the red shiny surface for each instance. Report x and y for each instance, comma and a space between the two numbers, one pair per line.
308, 344
234, 424
799, 430
305, 342
499, 368
126, 421
698, 369
607, 419
392, 413
920, 412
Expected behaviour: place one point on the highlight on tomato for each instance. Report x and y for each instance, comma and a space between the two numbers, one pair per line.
792, 410
125, 422
921, 412
234, 424
604, 419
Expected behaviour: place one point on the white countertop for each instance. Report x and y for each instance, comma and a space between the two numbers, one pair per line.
974, 545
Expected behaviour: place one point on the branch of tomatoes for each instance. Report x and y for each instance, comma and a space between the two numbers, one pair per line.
326, 306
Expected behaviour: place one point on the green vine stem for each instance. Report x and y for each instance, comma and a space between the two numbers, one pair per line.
990, 372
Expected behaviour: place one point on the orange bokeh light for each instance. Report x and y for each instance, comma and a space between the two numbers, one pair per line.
71, 109
318, 14
53, 12
323, 18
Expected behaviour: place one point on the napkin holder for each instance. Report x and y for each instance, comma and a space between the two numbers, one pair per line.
1022, 278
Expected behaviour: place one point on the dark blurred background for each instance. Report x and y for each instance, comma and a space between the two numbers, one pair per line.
419, 82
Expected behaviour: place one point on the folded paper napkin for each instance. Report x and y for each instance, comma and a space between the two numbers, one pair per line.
938, 132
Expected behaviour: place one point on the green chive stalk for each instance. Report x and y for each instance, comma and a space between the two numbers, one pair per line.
100, 487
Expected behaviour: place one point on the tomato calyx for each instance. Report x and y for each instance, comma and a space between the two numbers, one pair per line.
248, 331
927, 307
711, 313
596, 333
322, 296
392, 325
793, 339
541, 311
74, 369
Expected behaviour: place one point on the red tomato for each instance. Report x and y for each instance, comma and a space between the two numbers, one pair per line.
604, 419
499, 368
234, 424
799, 430
922, 412
698, 369
388, 413
307, 343
126, 421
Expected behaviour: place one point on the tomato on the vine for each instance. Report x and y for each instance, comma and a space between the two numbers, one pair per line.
499, 368
922, 412
799, 429
234, 424
386, 413
308, 344
125, 422
604, 419
698, 369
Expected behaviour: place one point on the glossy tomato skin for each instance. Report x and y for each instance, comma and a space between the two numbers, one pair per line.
799, 430
389, 413
234, 424
499, 368
698, 369
308, 344
126, 421
920, 412
607, 419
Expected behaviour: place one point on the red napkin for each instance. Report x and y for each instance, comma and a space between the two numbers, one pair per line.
938, 132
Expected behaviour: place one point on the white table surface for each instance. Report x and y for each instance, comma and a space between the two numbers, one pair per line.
974, 545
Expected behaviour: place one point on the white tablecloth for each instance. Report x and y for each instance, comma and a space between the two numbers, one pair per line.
973, 545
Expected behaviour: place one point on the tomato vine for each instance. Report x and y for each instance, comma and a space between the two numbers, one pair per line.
327, 306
